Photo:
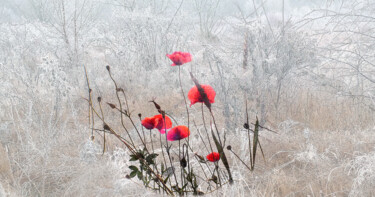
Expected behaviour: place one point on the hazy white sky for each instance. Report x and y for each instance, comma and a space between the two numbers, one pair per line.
16, 9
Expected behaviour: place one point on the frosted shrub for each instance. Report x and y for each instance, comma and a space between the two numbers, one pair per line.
363, 167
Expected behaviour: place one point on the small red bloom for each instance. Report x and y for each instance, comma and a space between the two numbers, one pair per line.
178, 58
149, 122
178, 133
214, 156
157, 122
195, 97
161, 124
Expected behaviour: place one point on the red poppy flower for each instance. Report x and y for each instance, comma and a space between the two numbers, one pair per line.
195, 97
161, 124
178, 133
149, 122
157, 122
178, 58
214, 156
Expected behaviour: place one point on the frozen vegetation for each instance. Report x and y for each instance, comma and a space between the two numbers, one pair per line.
305, 69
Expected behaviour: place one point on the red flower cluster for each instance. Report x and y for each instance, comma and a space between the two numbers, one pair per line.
195, 97
178, 58
178, 133
157, 122
213, 157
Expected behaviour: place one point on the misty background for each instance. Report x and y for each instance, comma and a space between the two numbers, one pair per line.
305, 68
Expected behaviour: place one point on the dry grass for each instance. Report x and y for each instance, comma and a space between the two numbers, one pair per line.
55, 158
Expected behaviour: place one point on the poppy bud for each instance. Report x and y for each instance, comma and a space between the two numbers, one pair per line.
201, 158
246, 126
108, 68
229, 147
157, 106
92, 138
112, 105
99, 99
90, 90
140, 115
183, 162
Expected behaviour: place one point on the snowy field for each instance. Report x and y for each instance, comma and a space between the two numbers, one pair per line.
305, 69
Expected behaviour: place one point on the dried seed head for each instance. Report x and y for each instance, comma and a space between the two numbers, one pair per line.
140, 115
246, 126
92, 138
106, 127
108, 68
229, 147
99, 99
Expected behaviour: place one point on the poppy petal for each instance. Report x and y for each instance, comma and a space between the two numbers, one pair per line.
149, 122
160, 123
162, 131
213, 157
178, 58
194, 95
178, 133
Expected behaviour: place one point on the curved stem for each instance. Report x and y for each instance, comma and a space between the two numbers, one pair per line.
101, 112
168, 149
152, 143
162, 150
187, 109
183, 95
205, 128
119, 101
